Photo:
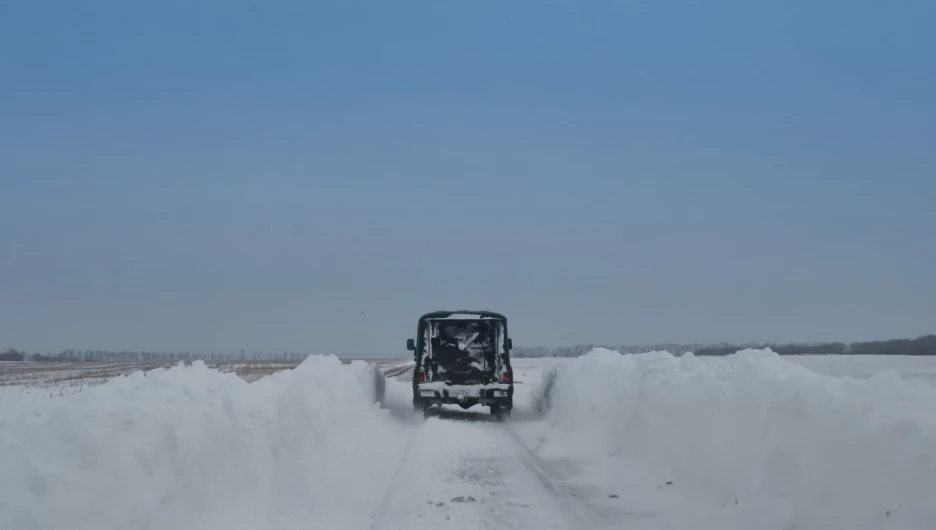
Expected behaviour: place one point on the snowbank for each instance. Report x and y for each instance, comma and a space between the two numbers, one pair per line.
190, 447
747, 441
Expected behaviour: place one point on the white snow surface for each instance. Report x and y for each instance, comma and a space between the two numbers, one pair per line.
464, 316
651, 441
748, 441
191, 447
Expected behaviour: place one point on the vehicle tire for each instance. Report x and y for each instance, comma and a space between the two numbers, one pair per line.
502, 413
495, 410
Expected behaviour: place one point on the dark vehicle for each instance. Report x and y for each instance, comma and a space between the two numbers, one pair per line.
462, 358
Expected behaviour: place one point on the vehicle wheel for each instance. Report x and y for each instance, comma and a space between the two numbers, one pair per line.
495, 410
426, 412
502, 413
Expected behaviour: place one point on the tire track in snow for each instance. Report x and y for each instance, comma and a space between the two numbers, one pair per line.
566, 502
381, 514
536, 496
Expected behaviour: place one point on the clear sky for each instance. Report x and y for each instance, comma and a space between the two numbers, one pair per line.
311, 176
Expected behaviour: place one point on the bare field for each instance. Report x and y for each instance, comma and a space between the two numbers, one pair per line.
66, 378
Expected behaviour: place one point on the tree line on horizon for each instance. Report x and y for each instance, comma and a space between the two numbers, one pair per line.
77, 356
924, 345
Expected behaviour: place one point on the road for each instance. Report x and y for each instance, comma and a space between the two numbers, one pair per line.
463, 469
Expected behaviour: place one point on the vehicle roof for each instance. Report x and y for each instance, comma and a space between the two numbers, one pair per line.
447, 314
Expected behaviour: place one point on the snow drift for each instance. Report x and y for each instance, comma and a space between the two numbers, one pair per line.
191, 447
648, 441
746, 441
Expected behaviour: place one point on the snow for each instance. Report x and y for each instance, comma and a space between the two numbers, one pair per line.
464, 475
464, 316
191, 447
745, 441
31, 381
866, 366
648, 441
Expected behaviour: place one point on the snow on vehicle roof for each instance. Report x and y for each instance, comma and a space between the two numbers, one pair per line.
462, 315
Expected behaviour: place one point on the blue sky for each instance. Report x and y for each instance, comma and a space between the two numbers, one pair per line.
211, 176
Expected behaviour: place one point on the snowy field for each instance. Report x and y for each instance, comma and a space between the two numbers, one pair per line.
651, 441
46, 380
866, 366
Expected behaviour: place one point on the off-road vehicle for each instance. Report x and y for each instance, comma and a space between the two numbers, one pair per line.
462, 358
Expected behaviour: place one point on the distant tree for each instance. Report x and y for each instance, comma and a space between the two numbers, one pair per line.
12, 355
925, 345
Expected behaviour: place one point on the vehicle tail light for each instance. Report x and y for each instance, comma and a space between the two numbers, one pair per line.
422, 377
506, 378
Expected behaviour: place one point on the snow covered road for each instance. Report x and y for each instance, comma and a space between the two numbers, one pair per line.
466, 474
751, 441
463, 471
